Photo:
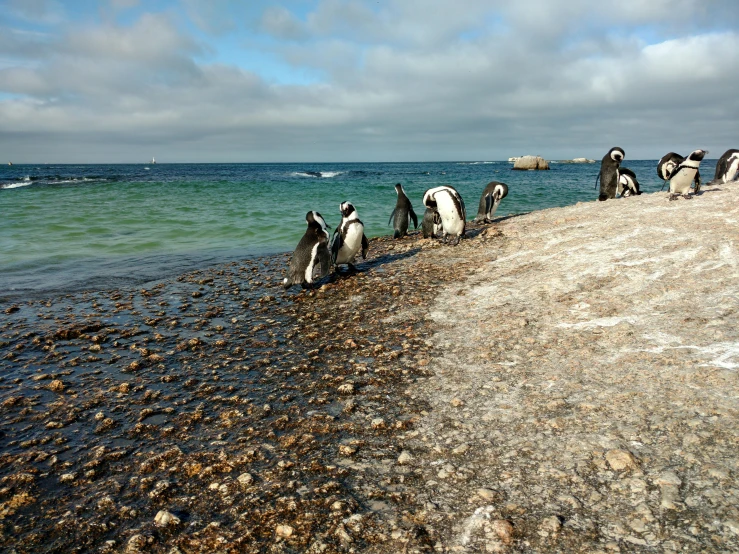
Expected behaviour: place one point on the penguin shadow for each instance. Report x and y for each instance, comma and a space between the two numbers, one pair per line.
475, 229
706, 191
377, 263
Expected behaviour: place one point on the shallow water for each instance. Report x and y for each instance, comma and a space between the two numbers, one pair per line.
66, 227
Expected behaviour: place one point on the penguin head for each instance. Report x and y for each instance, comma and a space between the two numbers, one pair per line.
346, 209
697, 155
428, 200
314, 218
398, 189
617, 154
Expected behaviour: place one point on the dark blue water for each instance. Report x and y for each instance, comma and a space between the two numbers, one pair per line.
64, 227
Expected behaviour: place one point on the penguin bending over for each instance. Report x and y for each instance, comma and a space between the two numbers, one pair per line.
627, 183
450, 206
402, 214
667, 163
348, 237
490, 200
431, 224
727, 167
312, 250
684, 174
609, 173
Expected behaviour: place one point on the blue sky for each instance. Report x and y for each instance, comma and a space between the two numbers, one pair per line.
354, 80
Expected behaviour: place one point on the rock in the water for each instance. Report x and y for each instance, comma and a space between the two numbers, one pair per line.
531, 162
164, 518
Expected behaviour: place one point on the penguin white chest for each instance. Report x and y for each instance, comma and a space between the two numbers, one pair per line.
680, 183
352, 244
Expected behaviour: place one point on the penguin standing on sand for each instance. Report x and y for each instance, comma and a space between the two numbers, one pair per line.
431, 224
727, 167
609, 173
402, 214
348, 237
312, 250
627, 183
490, 200
684, 174
450, 206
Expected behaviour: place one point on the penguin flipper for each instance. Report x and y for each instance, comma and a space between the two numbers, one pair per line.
324, 258
413, 216
488, 203
365, 246
697, 181
392, 215
336, 243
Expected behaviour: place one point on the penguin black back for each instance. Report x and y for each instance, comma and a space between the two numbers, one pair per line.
402, 214
727, 167
609, 173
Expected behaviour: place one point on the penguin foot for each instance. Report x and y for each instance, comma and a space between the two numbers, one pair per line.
455, 242
674, 197
687, 196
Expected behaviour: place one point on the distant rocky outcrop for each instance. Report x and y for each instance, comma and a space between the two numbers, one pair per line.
531, 162
577, 161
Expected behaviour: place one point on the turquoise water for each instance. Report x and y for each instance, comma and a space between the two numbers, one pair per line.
70, 226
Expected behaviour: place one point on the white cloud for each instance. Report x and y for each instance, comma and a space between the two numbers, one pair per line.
421, 80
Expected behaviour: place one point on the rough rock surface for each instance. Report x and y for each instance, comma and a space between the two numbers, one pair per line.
589, 366
531, 162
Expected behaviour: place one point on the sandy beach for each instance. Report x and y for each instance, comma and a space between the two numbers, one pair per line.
562, 381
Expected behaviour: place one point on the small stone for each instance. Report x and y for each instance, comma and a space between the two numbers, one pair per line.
378, 423
136, 543
550, 526
668, 478
56, 386
503, 529
461, 449
347, 450
457, 402
67, 477
99, 416
346, 388
245, 479
487, 494
405, 457
620, 459
164, 518
284, 531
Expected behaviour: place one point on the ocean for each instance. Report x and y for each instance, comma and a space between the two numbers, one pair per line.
65, 228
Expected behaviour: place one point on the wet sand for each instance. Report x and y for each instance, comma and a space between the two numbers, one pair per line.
257, 418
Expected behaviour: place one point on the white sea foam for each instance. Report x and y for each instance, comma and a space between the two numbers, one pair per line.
317, 174
17, 185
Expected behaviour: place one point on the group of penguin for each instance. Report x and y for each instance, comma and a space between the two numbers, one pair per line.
445, 218
679, 171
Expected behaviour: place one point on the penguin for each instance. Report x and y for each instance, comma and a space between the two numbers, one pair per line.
727, 167
448, 202
348, 237
311, 251
627, 183
684, 174
402, 214
431, 224
609, 173
668, 162
490, 200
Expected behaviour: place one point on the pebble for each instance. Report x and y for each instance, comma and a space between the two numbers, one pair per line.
405, 457
245, 479
164, 518
620, 460
284, 531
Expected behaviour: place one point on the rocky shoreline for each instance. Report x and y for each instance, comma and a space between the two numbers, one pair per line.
562, 381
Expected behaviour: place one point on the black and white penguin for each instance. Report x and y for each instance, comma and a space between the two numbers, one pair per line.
448, 202
431, 224
684, 174
727, 167
348, 237
312, 250
667, 163
402, 214
490, 200
627, 183
609, 173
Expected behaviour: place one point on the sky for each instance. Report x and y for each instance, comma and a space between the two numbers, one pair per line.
122, 81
